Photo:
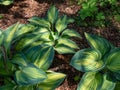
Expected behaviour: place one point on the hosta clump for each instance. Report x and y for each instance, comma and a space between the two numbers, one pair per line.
6, 2
53, 31
27, 69
101, 64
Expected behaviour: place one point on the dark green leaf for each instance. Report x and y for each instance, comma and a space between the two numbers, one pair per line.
19, 59
113, 60
7, 87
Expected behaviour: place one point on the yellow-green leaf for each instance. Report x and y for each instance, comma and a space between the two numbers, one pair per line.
6, 2
52, 82
98, 43
52, 14
39, 21
70, 33
108, 83
61, 24
9, 34
90, 81
41, 56
30, 75
87, 60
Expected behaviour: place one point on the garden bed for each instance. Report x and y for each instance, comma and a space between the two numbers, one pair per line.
21, 10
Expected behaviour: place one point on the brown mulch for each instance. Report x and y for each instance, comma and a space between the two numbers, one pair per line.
22, 10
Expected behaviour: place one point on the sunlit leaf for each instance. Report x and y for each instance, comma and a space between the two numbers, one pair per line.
30, 75
41, 56
61, 24
9, 34
52, 82
64, 49
52, 14
6, 2
98, 43
70, 33
87, 60
45, 58
39, 21
90, 81
27, 41
67, 42
24, 28
108, 83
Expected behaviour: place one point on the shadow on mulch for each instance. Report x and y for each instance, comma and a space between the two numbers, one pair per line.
51, 1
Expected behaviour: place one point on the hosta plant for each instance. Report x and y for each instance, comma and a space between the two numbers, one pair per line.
6, 2
27, 69
100, 62
52, 31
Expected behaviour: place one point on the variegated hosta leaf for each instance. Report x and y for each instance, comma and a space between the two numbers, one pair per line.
41, 56
98, 43
65, 46
24, 28
113, 60
30, 75
19, 59
64, 49
52, 82
70, 33
9, 34
52, 14
41, 30
40, 21
90, 81
45, 37
26, 41
61, 24
87, 60
6, 2
108, 83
